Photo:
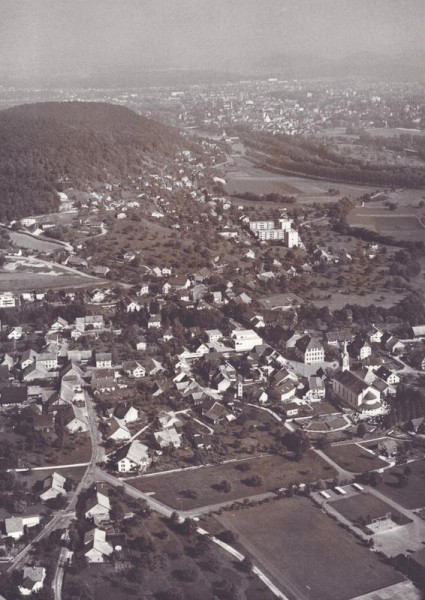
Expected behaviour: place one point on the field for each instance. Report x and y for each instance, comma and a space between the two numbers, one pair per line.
411, 495
359, 507
198, 569
275, 472
306, 552
244, 177
354, 458
29, 273
402, 227
338, 299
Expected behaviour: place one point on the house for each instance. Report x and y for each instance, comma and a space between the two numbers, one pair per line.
7, 300
126, 413
335, 339
154, 322
134, 457
169, 419
15, 333
285, 390
36, 371
103, 360
96, 548
118, 430
141, 344
214, 411
214, 335
310, 350
53, 486
97, 296
243, 299
244, 340
98, 508
291, 409
388, 376
356, 393
13, 395
375, 335
316, 389
258, 322
89, 322
168, 437
418, 331
132, 368
32, 580
47, 360
133, 306
103, 380
74, 419
59, 325
393, 344
143, 290
15, 526
217, 297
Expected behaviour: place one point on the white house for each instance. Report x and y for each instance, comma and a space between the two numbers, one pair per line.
98, 508
15, 526
310, 350
96, 548
53, 486
133, 457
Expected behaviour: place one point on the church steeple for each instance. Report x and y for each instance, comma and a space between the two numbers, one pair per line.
345, 358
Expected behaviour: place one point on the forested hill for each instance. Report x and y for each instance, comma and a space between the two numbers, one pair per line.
41, 144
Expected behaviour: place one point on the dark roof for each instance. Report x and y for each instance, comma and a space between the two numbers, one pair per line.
351, 381
308, 343
16, 394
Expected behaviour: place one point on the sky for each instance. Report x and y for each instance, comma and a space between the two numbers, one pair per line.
80, 37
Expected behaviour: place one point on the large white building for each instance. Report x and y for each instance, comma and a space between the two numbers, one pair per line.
270, 230
7, 300
357, 394
245, 340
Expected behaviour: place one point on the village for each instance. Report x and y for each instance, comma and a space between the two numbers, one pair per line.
176, 352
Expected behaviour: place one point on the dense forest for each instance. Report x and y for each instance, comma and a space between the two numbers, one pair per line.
82, 143
295, 155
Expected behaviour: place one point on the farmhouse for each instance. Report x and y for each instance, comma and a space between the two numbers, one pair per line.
133, 457
96, 548
53, 486
33, 579
15, 526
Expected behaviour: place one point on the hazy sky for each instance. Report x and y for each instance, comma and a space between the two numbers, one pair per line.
83, 36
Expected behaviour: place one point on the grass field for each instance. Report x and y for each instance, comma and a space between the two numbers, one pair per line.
411, 495
359, 507
199, 570
403, 226
275, 472
306, 552
354, 458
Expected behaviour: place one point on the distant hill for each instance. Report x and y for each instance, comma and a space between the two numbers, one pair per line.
84, 142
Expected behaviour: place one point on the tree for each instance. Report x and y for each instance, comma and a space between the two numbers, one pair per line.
361, 430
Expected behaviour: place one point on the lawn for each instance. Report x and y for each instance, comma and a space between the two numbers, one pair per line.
275, 471
359, 507
354, 458
166, 564
411, 495
306, 552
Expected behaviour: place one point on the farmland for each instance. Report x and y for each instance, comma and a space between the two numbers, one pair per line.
245, 177
306, 552
274, 471
354, 458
